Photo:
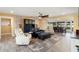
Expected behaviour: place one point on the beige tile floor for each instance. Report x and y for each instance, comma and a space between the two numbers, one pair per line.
57, 43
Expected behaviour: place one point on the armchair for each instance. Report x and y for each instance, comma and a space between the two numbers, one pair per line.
22, 39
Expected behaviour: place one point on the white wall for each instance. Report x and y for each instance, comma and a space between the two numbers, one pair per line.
13, 26
60, 19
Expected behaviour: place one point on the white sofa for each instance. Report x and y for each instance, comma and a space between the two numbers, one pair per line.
22, 39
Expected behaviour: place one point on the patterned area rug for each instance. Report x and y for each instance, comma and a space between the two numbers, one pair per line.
43, 45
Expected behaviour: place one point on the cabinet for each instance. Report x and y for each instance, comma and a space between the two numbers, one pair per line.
29, 25
68, 25
6, 26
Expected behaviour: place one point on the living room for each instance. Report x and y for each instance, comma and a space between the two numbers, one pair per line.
34, 29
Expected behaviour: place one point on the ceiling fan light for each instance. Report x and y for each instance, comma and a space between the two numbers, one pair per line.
39, 18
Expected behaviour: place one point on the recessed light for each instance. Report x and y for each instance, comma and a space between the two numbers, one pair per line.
63, 13
11, 11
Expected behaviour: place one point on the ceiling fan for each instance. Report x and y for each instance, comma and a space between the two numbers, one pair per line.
42, 15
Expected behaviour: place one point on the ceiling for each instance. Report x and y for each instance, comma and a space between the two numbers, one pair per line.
33, 11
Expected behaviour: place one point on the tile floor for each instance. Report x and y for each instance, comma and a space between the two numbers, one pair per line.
57, 43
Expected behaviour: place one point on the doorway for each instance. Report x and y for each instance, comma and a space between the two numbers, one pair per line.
5, 28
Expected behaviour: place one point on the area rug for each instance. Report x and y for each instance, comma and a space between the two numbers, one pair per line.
42, 46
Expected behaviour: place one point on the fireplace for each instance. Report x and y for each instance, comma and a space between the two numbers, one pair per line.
77, 32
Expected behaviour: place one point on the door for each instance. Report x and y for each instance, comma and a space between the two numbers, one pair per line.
5, 28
